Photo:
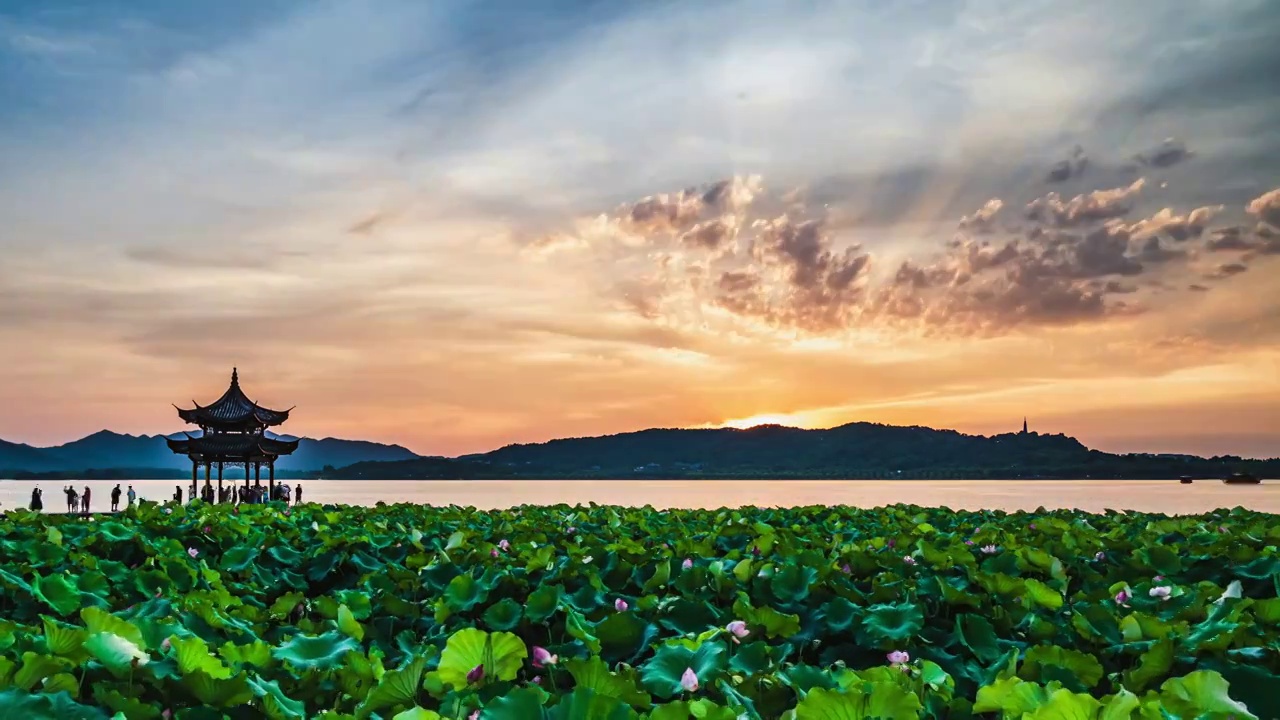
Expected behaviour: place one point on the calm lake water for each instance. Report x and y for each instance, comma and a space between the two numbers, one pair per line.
1166, 496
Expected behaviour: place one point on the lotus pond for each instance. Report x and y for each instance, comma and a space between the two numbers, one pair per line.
413, 612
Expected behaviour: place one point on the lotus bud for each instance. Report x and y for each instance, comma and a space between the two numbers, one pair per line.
571, 530
476, 674
620, 605
891, 543
909, 560
899, 657
1100, 556
687, 564
536, 679
1123, 597
504, 545
1161, 592
193, 552
493, 552
689, 680
738, 628
990, 549
475, 715
165, 645
970, 543
1157, 578
1032, 526
846, 569
541, 656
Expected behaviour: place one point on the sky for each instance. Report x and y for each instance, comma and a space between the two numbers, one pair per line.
457, 225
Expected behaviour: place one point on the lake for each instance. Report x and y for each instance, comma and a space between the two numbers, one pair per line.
1165, 496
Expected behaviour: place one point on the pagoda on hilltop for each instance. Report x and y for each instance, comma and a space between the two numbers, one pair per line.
232, 432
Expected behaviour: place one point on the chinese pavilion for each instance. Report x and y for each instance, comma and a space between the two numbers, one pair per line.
232, 431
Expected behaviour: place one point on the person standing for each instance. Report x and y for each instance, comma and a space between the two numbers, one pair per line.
84, 500
37, 502
297, 494
132, 496
177, 494
115, 498
71, 498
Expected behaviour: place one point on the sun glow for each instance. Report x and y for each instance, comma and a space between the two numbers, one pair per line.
765, 419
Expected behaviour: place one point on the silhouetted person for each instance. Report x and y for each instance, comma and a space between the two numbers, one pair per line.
84, 500
132, 496
71, 498
115, 498
177, 494
297, 494
37, 503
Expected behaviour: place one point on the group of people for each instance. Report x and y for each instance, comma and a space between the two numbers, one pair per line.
79, 502
241, 494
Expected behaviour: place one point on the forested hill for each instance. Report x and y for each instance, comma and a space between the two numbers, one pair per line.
857, 450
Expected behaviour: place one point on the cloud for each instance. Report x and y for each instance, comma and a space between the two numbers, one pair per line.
1176, 227
1072, 167
1085, 208
1267, 208
1227, 270
1168, 153
982, 221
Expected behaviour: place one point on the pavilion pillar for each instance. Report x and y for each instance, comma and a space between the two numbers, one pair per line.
219, 498
194, 470
271, 468
208, 472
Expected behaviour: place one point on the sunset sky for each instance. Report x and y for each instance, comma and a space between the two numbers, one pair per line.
456, 225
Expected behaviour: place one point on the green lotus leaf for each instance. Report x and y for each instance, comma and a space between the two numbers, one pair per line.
976, 633
216, 692
519, 704
37, 667
396, 687
1043, 595
316, 652
275, 703
542, 603
1081, 666
753, 658
239, 559
58, 592
348, 624
501, 654
1066, 705
804, 678
193, 654
1202, 694
62, 682
624, 636
593, 674
99, 621
116, 653
416, 713
256, 653
1120, 706
586, 704
1153, 666
842, 614
890, 626
20, 705
661, 576
63, 639
773, 623
131, 707
689, 617
662, 673
875, 700
503, 615
579, 627
1011, 696
790, 584
464, 593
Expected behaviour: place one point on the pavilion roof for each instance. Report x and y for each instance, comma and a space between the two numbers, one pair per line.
232, 445
233, 410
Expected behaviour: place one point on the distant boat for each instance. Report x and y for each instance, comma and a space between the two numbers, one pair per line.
1185, 479
1241, 479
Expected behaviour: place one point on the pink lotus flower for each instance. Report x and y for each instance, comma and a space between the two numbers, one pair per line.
898, 657
571, 530
970, 543
541, 656
1032, 526
207, 529
989, 549
1100, 556
286, 512
689, 680
165, 645
755, 551
1157, 578
738, 628
476, 674
1222, 528
891, 543
620, 605
1160, 591
846, 569
503, 545
493, 552
909, 560
166, 714
687, 564
193, 552
1123, 597
536, 679
475, 715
